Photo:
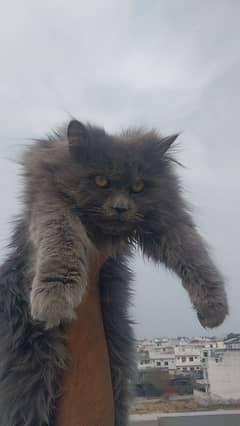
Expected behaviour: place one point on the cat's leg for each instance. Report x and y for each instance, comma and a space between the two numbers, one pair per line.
31, 359
61, 257
183, 250
115, 280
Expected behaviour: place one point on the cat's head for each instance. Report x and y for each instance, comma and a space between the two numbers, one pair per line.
124, 180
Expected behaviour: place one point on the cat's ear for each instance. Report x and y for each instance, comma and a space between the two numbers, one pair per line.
167, 142
78, 136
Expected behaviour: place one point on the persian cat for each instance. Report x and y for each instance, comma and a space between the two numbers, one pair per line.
87, 191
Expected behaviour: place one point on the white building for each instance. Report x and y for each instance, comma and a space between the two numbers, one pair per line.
224, 376
156, 357
222, 379
233, 343
143, 360
163, 357
188, 358
181, 356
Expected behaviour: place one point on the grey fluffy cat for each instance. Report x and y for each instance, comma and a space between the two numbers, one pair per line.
86, 190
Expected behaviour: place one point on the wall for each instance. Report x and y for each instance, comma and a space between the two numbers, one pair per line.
189, 419
224, 376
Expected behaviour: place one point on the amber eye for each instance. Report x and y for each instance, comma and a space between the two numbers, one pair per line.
101, 181
137, 186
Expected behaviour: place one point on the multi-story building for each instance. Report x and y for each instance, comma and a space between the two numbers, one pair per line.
182, 356
143, 360
157, 357
188, 358
163, 357
232, 342
221, 379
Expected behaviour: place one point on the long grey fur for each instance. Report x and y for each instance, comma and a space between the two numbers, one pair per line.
66, 219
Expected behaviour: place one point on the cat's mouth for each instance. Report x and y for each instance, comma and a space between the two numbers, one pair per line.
114, 225
117, 226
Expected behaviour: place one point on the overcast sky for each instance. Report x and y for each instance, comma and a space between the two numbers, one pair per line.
171, 64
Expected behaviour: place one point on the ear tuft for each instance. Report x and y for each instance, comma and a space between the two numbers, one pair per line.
167, 142
77, 134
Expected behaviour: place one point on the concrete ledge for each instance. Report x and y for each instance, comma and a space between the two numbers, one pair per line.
145, 423
144, 420
210, 418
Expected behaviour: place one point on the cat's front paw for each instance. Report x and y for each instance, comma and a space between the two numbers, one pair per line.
54, 304
212, 311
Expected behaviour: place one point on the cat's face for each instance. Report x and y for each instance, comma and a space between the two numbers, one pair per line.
114, 201
123, 179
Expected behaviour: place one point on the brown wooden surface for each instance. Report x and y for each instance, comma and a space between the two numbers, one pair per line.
87, 389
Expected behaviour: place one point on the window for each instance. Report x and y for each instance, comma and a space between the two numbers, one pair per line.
183, 359
192, 368
165, 362
158, 363
191, 358
205, 354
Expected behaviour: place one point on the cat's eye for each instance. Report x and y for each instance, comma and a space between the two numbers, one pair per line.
101, 181
137, 186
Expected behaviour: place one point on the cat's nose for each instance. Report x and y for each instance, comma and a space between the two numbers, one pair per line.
120, 210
